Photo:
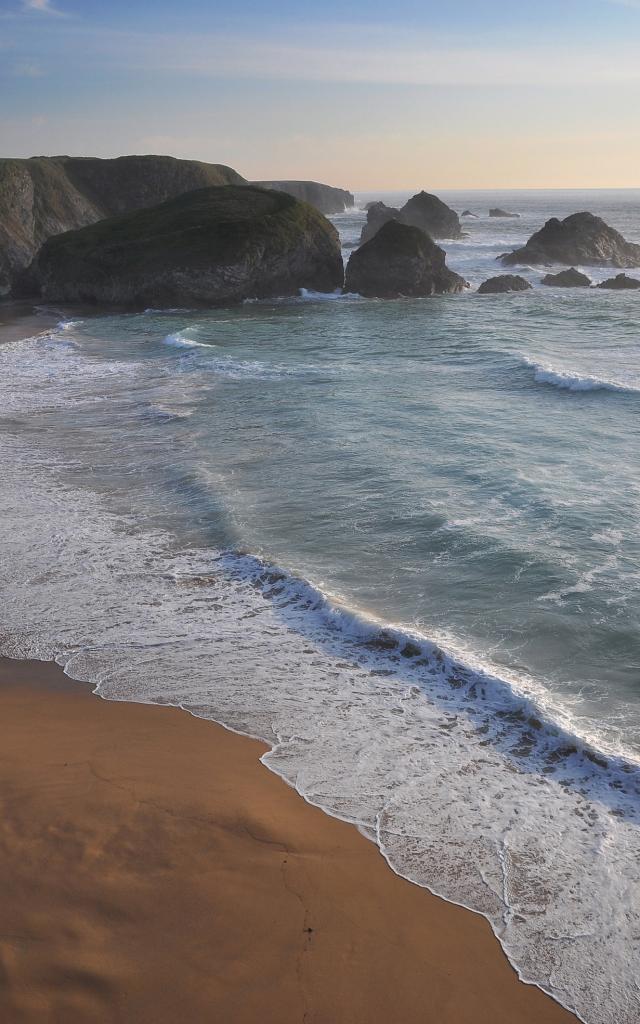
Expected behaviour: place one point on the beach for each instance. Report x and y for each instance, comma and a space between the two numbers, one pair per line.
151, 869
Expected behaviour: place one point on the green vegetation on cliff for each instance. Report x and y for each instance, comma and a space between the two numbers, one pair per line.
210, 246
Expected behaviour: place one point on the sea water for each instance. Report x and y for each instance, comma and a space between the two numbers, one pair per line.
396, 540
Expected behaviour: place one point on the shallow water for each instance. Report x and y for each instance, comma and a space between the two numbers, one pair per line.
398, 541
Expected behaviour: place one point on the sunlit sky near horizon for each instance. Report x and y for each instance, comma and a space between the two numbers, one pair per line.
365, 95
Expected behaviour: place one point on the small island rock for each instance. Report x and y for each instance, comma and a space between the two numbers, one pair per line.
211, 247
468, 213
620, 283
400, 260
580, 238
497, 212
504, 283
430, 214
567, 279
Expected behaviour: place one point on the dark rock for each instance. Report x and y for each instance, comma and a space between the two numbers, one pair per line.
581, 238
377, 215
504, 283
468, 213
400, 260
430, 214
497, 212
621, 283
325, 198
44, 196
567, 279
422, 211
209, 247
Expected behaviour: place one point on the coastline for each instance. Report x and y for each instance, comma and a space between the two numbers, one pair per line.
152, 869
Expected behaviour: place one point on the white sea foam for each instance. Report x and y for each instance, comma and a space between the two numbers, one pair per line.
570, 381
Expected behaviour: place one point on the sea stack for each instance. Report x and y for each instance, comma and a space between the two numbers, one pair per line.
581, 238
214, 246
400, 260
423, 211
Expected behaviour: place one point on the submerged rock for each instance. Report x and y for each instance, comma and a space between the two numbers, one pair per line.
620, 282
581, 238
209, 247
567, 279
400, 260
504, 283
497, 212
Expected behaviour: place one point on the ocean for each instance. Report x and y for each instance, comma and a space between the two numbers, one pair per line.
396, 540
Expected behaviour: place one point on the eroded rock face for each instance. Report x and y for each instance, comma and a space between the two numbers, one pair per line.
497, 212
45, 196
504, 283
400, 260
581, 238
621, 283
325, 198
213, 246
567, 279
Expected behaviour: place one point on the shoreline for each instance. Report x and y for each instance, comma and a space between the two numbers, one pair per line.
270, 909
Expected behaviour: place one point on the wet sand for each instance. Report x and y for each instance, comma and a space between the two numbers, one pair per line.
152, 871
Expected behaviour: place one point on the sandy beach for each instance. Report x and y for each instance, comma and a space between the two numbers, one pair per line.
152, 870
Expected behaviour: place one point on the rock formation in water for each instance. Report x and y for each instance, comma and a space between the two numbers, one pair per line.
422, 211
430, 214
468, 213
497, 212
504, 283
581, 238
567, 279
45, 196
620, 283
325, 198
377, 215
208, 247
400, 260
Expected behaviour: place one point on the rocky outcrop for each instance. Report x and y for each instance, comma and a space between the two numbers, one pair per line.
325, 198
377, 215
468, 213
209, 247
422, 211
581, 238
45, 196
567, 279
497, 212
400, 260
430, 214
504, 283
620, 283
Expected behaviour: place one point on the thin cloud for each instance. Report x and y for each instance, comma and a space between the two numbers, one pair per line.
43, 6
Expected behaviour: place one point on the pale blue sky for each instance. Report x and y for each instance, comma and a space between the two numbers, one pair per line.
364, 95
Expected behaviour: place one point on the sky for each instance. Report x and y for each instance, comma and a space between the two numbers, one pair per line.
366, 95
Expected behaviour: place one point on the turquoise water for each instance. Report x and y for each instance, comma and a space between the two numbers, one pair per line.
398, 540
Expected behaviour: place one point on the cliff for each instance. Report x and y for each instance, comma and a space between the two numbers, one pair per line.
44, 196
209, 247
325, 198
